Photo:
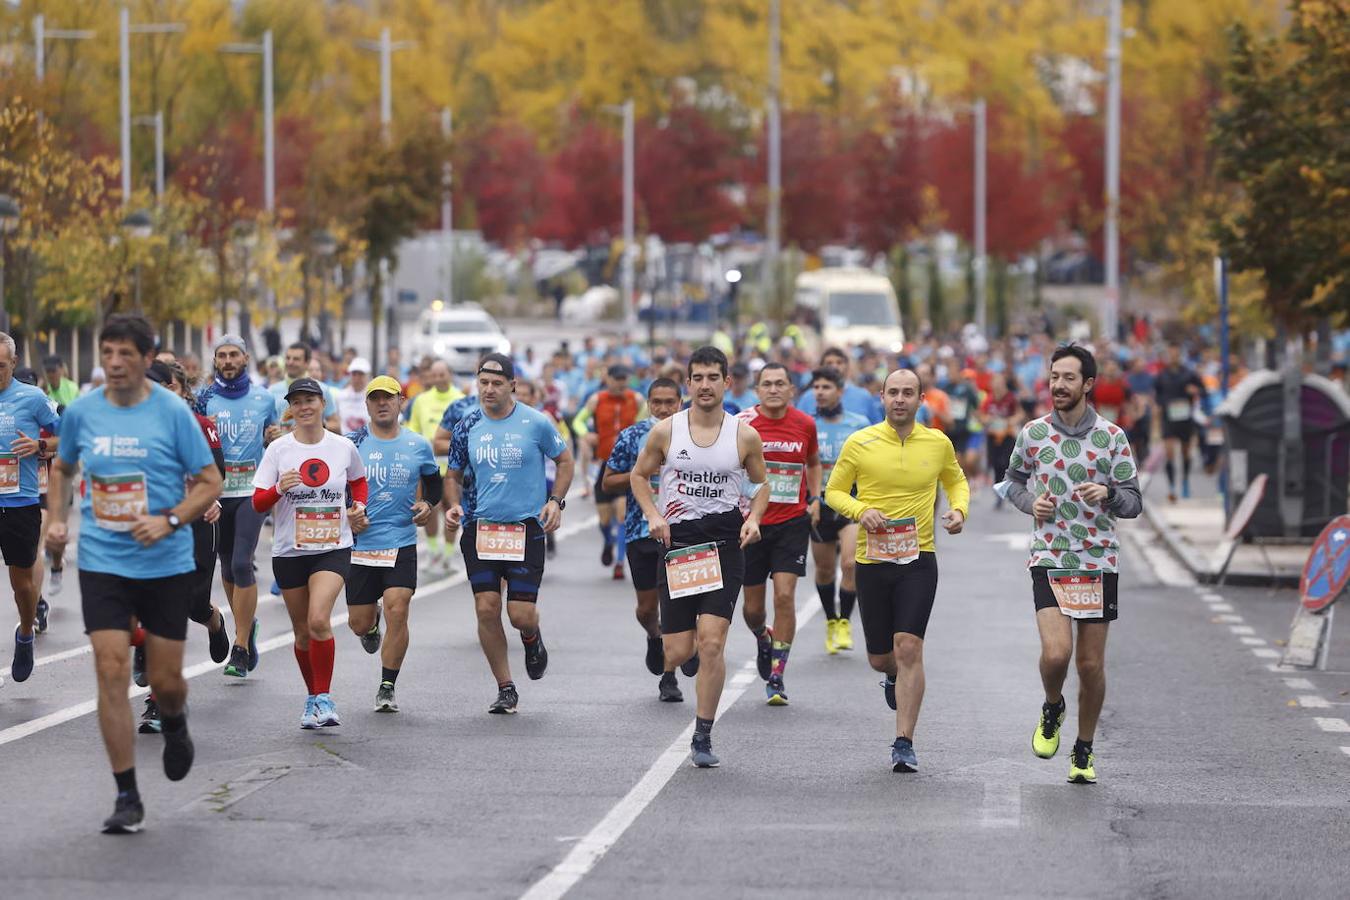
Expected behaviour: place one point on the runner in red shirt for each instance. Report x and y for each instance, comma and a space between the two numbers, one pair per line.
793, 463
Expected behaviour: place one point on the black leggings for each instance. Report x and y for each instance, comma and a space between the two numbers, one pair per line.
204, 554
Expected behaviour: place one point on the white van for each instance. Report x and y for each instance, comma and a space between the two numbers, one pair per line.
851, 306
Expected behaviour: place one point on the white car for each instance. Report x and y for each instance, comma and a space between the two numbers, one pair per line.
459, 335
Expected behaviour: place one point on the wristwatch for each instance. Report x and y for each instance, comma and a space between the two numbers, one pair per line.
174, 522
42, 446
562, 504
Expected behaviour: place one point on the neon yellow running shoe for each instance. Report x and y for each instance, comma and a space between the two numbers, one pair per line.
844, 636
1045, 739
1081, 769
831, 639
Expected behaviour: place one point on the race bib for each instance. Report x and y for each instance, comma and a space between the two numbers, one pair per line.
998, 426
1078, 593
500, 541
44, 473
785, 481
1214, 436
318, 527
375, 559
959, 408
1109, 413
239, 478
897, 543
1179, 411
9, 473
118, 500
693, 570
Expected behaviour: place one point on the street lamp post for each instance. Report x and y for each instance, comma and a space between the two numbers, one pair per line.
1111, 300
774, 220
138, 226
385, 47
42, 34
981, 211
264, 49
447, 209
9, 220
325, 245
628, 276
125, 30
157, 122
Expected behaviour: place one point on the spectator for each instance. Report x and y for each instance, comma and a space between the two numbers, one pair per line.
59, 386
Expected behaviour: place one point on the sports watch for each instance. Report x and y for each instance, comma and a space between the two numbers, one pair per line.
562, 504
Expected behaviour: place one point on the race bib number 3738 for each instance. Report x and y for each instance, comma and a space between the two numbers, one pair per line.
500, 541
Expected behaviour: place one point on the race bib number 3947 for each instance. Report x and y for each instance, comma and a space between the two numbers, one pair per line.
118, 500
500, 541
693, 570
1078, 593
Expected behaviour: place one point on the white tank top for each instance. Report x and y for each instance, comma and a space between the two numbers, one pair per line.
700, 481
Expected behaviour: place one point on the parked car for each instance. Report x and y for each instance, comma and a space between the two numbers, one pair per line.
460, 335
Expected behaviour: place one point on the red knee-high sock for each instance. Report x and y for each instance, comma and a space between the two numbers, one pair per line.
302, 657
321, 655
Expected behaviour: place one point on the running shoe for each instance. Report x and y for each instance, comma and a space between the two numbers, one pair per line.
150, 723
764, 653
253, 646
700, 752
888, 691
843, 636
384, 698
1082, 768
607, 555
22, 666
138, 666
777, 696
656, 655
326, 711
310, 717
55, 577
370, 641
690, 666
238, 664
1185, 490
670, 689
507, 698
218, 641
618, 572
128, 816
1045, 739
902, 756
178, 754
276, 589
536, 657
43, 613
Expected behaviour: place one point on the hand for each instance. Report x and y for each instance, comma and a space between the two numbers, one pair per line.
421, 513
1044, 508
749, 532
453, 516
659, 528
273, 432
289, 479
357, 518
212, 514
954, 520
550, 517
57, 535
1093, 493
814, 508
150, 529
23, 445
872, 520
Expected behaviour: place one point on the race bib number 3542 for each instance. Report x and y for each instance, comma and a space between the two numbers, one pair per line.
897, 543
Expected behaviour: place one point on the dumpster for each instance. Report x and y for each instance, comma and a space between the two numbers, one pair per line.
1296, 429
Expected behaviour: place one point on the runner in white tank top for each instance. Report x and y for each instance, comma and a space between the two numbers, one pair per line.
700, 481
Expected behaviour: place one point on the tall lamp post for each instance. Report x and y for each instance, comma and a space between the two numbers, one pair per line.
325, 245
125, 31
264, 49
1111, 301
156, 122
774, 218
138, 226
9, 220
628, 276
42, 34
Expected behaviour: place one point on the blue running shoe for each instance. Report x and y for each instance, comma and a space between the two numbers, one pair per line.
775, 692
22, 666
253, 646
326, 711
902, 756
888, 691
700, 753
310, 719
276, 589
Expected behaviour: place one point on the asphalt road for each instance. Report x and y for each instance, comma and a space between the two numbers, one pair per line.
1219, 776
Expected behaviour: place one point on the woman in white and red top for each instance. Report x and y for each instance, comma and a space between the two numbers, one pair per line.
306, 479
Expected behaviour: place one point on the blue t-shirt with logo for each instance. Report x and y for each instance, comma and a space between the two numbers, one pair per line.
135, 458
623, 458
503, 463
393, 469
830, 437
455, 412
856, 400
241, 423
23, 408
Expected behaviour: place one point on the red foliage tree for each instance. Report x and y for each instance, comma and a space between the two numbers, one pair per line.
583, 188
505, 175
683, 166
887, 172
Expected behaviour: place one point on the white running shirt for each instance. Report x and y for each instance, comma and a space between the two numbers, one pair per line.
319, 503
700, 481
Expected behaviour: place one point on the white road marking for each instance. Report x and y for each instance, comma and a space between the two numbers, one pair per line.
1312, 701
1346, 750
1221, 607
592, 848
1228, 617
1211, 597
1253, 641
1002, 805
1298, 684
1336, 726
1242, 629
1266, 653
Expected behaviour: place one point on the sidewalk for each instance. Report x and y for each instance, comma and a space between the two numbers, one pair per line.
1193, 530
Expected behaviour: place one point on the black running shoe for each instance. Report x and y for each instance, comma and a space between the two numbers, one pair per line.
178, 754
536, 657
43, 612
690, 666
218, 640
888, 691
670, 689
656, 656
764, 654
138, 666
127, 818
370, 641
150, 723
507, 698
237, 667
607, 555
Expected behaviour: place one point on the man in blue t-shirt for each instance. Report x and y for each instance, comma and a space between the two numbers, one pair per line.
645, 555
149, 473
496, 487
855, 399
246, 418
24, 410
384, 557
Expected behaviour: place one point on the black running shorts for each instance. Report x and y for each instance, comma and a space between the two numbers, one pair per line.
20, 528
681, 614
293, 571
522, 578
367, 584
781, 548
645, 560
827, 529
896, 600
1044, 596
111, 601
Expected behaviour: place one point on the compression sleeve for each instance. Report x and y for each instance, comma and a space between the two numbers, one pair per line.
265, 498
359, 489
433, 488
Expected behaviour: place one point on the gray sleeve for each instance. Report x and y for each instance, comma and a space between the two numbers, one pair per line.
1018, 494
1128, 502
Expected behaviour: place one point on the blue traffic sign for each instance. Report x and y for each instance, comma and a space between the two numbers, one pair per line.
1328, 566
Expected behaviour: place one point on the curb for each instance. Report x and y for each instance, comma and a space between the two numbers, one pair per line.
1196, 563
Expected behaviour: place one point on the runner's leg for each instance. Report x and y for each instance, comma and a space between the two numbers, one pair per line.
1091, 660
491, 634
112, 665
395, 647
784, 606
164, 666
25, 597
712, 670
1056, 650
825, 555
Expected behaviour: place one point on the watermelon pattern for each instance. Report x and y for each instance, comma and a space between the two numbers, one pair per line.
1080, 536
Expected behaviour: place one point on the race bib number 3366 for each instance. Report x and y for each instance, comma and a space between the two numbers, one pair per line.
1078, 593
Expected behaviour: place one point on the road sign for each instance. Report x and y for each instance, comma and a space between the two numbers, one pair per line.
1328, 566
1223, 554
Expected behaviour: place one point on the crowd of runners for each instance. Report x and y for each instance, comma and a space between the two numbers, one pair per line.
716, 472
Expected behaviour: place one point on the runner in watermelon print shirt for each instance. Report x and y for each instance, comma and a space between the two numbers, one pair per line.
1073, 472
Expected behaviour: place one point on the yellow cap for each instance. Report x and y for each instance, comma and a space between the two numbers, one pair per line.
386, 384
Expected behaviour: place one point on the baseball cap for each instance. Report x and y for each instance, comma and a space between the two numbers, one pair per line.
498, 364
619, 371
384, 383
229, 340
359, 364
304, 386
160, 373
